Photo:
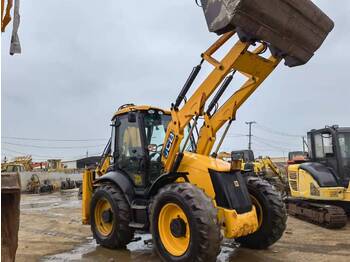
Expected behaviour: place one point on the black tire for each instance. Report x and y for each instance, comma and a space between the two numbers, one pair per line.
205, 236
63, 185
121, 234
274, 215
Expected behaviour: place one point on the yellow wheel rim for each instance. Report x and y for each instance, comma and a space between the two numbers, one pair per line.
103, 217
175, 245
259, 210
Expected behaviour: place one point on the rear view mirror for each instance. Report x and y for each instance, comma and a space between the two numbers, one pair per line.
152, 148
131, 117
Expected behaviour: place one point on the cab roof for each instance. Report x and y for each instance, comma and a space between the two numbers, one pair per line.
335, 127
131, 107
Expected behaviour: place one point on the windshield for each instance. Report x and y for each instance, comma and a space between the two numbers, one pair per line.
344, 143
156, 123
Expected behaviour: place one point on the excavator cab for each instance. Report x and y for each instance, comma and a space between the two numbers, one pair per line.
330, 147
246, 155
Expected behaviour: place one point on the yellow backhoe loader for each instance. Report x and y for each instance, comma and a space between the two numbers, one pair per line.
155, 177
319, 187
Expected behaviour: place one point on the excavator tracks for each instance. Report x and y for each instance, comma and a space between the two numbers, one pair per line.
328, 216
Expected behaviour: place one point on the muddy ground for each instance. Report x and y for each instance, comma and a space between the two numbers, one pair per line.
50, 230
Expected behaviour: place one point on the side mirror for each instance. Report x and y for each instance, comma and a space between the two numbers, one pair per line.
131, 117
152, 148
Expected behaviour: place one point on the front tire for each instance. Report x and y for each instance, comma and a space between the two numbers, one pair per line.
110, 217
271, 211
184, 224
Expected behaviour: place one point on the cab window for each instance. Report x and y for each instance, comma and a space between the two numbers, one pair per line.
130, 152
323, 145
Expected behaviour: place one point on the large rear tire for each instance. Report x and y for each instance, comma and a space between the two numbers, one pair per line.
271, 211
184, 224
110, 217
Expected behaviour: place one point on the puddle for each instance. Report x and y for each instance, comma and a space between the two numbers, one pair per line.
63, 199
90, 251
137, 252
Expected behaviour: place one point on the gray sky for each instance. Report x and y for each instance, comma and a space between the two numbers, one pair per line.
81, 60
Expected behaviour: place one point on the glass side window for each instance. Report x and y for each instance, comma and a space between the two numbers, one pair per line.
129, 140
319, 146
327, 144
323, 145
130, 152
344, 142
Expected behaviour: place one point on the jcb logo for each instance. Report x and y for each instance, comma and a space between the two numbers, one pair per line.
168, 145
236, 183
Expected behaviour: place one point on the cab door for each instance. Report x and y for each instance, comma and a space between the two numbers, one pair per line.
130, 152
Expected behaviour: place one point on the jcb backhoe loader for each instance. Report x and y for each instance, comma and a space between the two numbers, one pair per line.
153, 176
320, 187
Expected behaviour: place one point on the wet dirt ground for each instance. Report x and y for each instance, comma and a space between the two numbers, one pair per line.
50, 230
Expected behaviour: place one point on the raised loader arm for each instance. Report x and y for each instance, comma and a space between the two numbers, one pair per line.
256, 68
237, 57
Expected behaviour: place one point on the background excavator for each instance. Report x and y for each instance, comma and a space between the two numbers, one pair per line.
157, 176
319, 186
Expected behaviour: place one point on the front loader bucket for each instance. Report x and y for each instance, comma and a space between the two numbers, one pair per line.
10, 200
294, 29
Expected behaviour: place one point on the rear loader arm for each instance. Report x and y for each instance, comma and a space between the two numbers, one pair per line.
257, 69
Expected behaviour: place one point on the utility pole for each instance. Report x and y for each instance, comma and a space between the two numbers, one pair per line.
250, 134
304, 143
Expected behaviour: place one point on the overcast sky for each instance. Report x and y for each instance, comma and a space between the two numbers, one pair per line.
82, 59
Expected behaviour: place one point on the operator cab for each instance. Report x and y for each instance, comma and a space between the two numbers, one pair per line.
331, 147
138, 134
246, 155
